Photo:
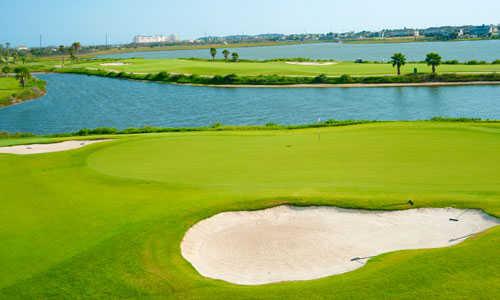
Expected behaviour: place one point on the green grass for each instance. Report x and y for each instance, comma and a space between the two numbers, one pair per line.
106, 221
10, 88
278, 68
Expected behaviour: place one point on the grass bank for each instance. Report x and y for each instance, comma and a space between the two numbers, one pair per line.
11, 92
106, 221
279, 80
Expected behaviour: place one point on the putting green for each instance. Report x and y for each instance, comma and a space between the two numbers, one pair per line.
106, 221
395, 161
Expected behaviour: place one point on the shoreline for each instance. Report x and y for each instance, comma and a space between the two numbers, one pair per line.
346, 85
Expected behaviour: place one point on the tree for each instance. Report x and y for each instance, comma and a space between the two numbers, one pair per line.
213, 53
22, 56
6, 70
23, 75
72, 54
75, 47
61, 48
15, 56
226, 54
433, 59
235, 56
398, 60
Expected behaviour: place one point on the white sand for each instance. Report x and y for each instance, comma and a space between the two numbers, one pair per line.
114, 64
288, 243
311, 63
45, 148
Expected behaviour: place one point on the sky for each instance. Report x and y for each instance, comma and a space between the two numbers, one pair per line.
88, 21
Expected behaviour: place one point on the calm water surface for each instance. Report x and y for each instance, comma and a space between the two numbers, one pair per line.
77, 101
462, 51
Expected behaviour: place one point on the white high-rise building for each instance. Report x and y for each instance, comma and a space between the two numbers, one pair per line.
147, 39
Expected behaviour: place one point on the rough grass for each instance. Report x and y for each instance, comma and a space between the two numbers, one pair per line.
278, 68
8, 87
106, 221
11, 91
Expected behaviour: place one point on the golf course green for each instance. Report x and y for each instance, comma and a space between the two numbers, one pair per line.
106, 221
205, 67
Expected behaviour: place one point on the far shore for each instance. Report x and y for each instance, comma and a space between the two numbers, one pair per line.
347, 85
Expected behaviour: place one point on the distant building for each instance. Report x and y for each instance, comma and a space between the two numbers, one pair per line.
460, 33
416, 33
147, 39
493, 30
22, 48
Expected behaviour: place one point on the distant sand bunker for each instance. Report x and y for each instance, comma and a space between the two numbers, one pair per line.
115, 64
289, 243
311, 63
45, 148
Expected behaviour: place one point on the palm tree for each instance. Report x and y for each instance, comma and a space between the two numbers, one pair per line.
398, 60
22, 55
433, 59
7, 53
6, 70
23, 75
235, 56
72, 54
15, 56
226, 54
213, 53
75, 47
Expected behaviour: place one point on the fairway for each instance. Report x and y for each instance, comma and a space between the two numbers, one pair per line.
275, 68
106, 220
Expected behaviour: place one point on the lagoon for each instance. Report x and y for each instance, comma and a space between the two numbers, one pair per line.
78, 101
487, 50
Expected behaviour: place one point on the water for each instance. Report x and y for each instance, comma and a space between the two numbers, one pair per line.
78, 101
463, 51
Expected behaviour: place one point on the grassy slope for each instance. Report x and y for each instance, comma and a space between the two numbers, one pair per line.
278, 68
8, 86
106, 221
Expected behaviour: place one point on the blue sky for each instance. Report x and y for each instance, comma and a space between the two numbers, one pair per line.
87, 21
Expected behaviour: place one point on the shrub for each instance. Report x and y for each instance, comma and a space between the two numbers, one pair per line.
496, 62
100, 130
162, 76
231, 78
345, 79
322, 78
448, 119
475, 62
217, 79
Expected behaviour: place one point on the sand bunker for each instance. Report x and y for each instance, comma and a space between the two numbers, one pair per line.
45, 148
310, 63
115, 64
289, 243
